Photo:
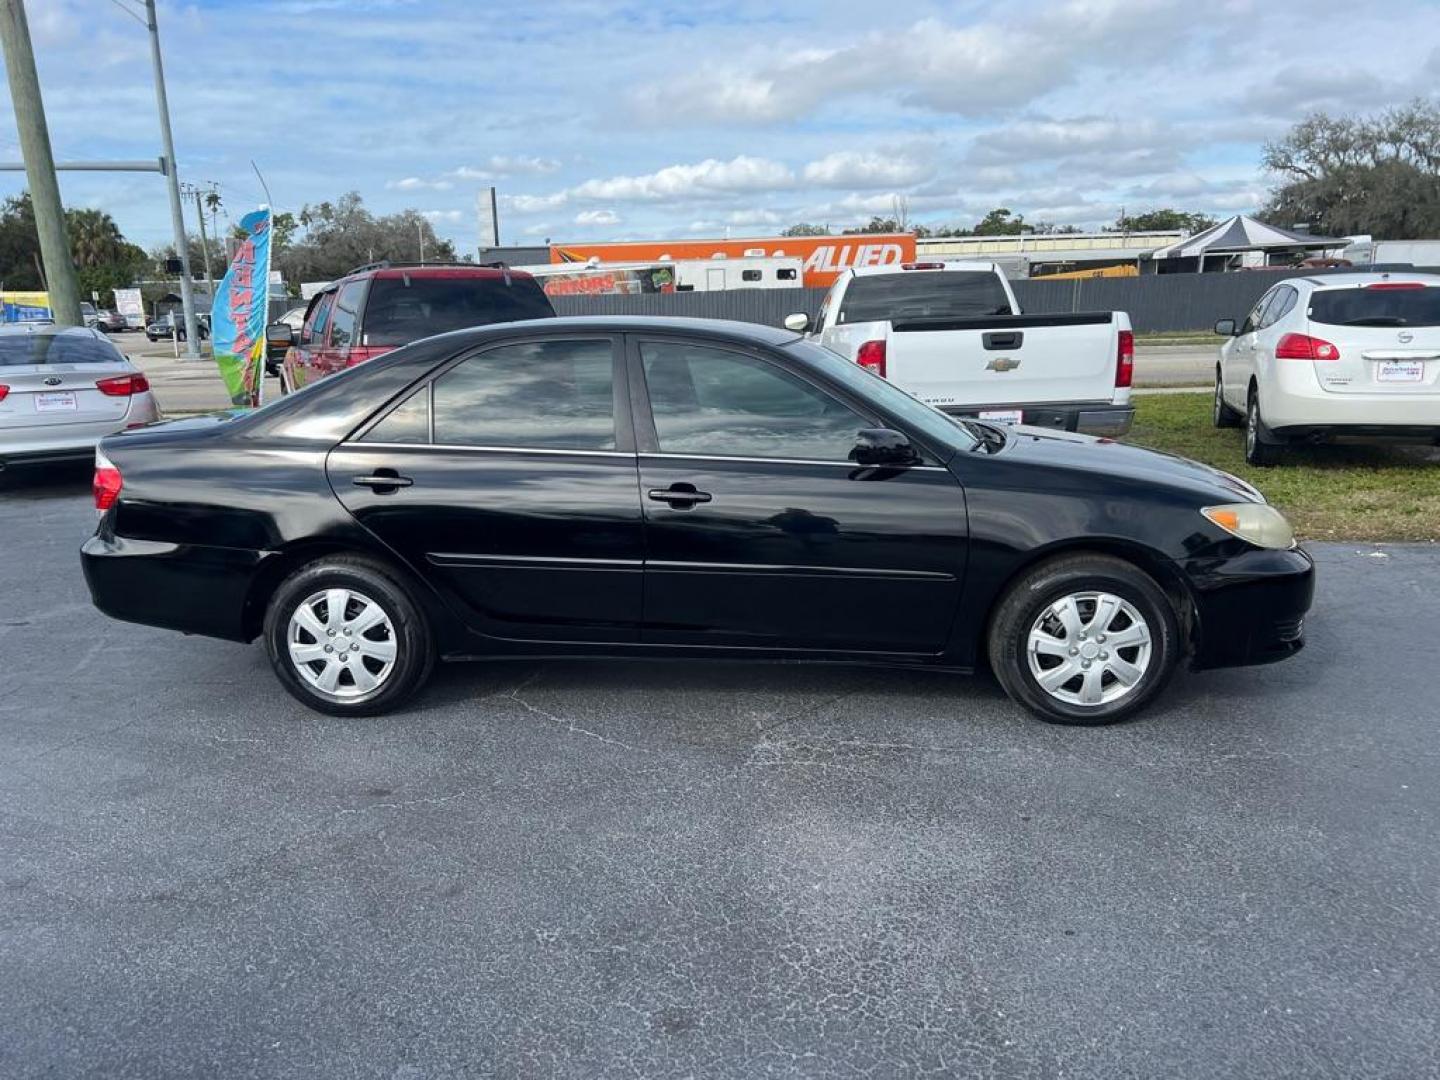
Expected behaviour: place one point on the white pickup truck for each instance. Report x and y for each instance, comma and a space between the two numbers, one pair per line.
952, 335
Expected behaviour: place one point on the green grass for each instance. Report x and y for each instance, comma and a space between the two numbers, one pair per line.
1327, 492
1176, 337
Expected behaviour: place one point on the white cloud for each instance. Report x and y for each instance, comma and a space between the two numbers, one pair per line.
415, 183
597, 217
450, 216
533, 204
705, 178
855, 169
502, 165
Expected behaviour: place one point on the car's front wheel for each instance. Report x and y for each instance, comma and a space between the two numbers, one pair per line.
1084, 639
1222, 414
1258, 451
345, 638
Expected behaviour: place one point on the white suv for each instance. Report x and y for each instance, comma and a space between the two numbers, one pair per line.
1338, 355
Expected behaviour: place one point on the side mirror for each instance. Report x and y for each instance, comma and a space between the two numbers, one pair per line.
279, 335
1225, 328
883, 447
799, 322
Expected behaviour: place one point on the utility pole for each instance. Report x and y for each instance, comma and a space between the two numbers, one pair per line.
204, 241
39, 164
177, 213
420, 232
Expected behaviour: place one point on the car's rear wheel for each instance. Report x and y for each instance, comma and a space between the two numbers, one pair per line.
344, 637
1084, 639
1258, 451
1223, 415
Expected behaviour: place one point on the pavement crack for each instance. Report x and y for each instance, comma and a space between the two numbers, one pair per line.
570, 726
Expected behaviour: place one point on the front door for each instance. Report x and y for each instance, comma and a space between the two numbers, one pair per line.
510, 479
761, 534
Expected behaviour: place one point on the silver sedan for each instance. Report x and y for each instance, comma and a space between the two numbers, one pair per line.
62, 390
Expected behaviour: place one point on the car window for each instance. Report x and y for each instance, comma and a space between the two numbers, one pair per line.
17, 350
1252, 321
342, 318
313, 332
407, 308
924, 294
535, 394
1372, 306
714, 401
408, 422
1278, 307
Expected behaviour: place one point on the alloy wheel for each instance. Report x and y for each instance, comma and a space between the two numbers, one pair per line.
342, 644
1089, 648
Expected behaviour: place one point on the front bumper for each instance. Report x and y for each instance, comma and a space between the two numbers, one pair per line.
1086, 418
1250, 606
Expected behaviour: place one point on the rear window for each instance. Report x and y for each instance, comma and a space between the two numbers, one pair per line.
924, 294
1376, 307
398, 313
18, 350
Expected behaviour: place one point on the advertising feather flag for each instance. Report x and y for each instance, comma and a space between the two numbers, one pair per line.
239, 314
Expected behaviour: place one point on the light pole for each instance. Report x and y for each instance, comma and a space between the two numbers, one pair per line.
39, 165
177, 213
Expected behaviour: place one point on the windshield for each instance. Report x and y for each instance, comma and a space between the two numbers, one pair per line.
932, 424
1376, 306
924, 294
19, 350
405, 309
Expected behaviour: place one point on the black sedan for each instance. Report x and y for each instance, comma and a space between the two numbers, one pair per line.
651, 488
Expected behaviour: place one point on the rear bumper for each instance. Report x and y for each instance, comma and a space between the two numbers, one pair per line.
1251, 607
191, 588
1085, 417
71, 442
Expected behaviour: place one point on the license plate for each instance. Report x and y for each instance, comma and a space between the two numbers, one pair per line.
1003, 416
55, 401
1400, 371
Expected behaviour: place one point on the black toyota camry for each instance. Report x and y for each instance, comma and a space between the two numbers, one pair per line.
643, 487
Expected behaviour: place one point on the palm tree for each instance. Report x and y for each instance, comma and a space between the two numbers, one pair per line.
95, 239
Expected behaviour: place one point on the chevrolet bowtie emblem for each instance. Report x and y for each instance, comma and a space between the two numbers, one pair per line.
1002, 363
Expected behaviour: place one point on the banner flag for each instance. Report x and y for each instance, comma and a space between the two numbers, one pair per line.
240, 312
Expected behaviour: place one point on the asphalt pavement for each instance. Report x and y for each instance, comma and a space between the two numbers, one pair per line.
587, 869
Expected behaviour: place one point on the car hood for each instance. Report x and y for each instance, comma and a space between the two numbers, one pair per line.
1064, 450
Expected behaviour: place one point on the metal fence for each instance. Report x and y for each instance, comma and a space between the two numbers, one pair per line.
1155, 302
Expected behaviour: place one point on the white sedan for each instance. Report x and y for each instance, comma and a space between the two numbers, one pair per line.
62, 390
1335, 356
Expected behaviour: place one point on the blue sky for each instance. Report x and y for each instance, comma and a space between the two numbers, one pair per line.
599, 119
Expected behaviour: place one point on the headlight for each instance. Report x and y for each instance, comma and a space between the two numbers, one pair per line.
1258, 523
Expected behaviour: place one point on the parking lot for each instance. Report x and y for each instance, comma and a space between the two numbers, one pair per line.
583, 869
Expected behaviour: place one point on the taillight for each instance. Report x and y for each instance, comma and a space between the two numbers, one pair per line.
1125, 359
3, 391
123, 385
923, 266
107, 483
872, 357
1305, 347
1396, 285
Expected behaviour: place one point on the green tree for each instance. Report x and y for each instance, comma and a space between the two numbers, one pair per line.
1001, 222
104, 259
336, 237
1166, 220
1345, 175
876, 224
806, 229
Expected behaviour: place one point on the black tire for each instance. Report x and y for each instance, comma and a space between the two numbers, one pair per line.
1258, 451
365, 579
1222, 414
1031, 600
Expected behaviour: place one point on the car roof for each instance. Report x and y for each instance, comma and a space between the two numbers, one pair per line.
448, 270
1324, 281
971, 265
744, 333
51, 330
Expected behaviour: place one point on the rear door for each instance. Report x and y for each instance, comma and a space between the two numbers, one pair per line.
52, 382
509, 479
301, 359
760, 534
1239, 365
1387, 335
333, 353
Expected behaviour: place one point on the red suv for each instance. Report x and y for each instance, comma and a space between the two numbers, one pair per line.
374, 309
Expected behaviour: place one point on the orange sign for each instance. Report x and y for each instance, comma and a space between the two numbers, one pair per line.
825, 256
